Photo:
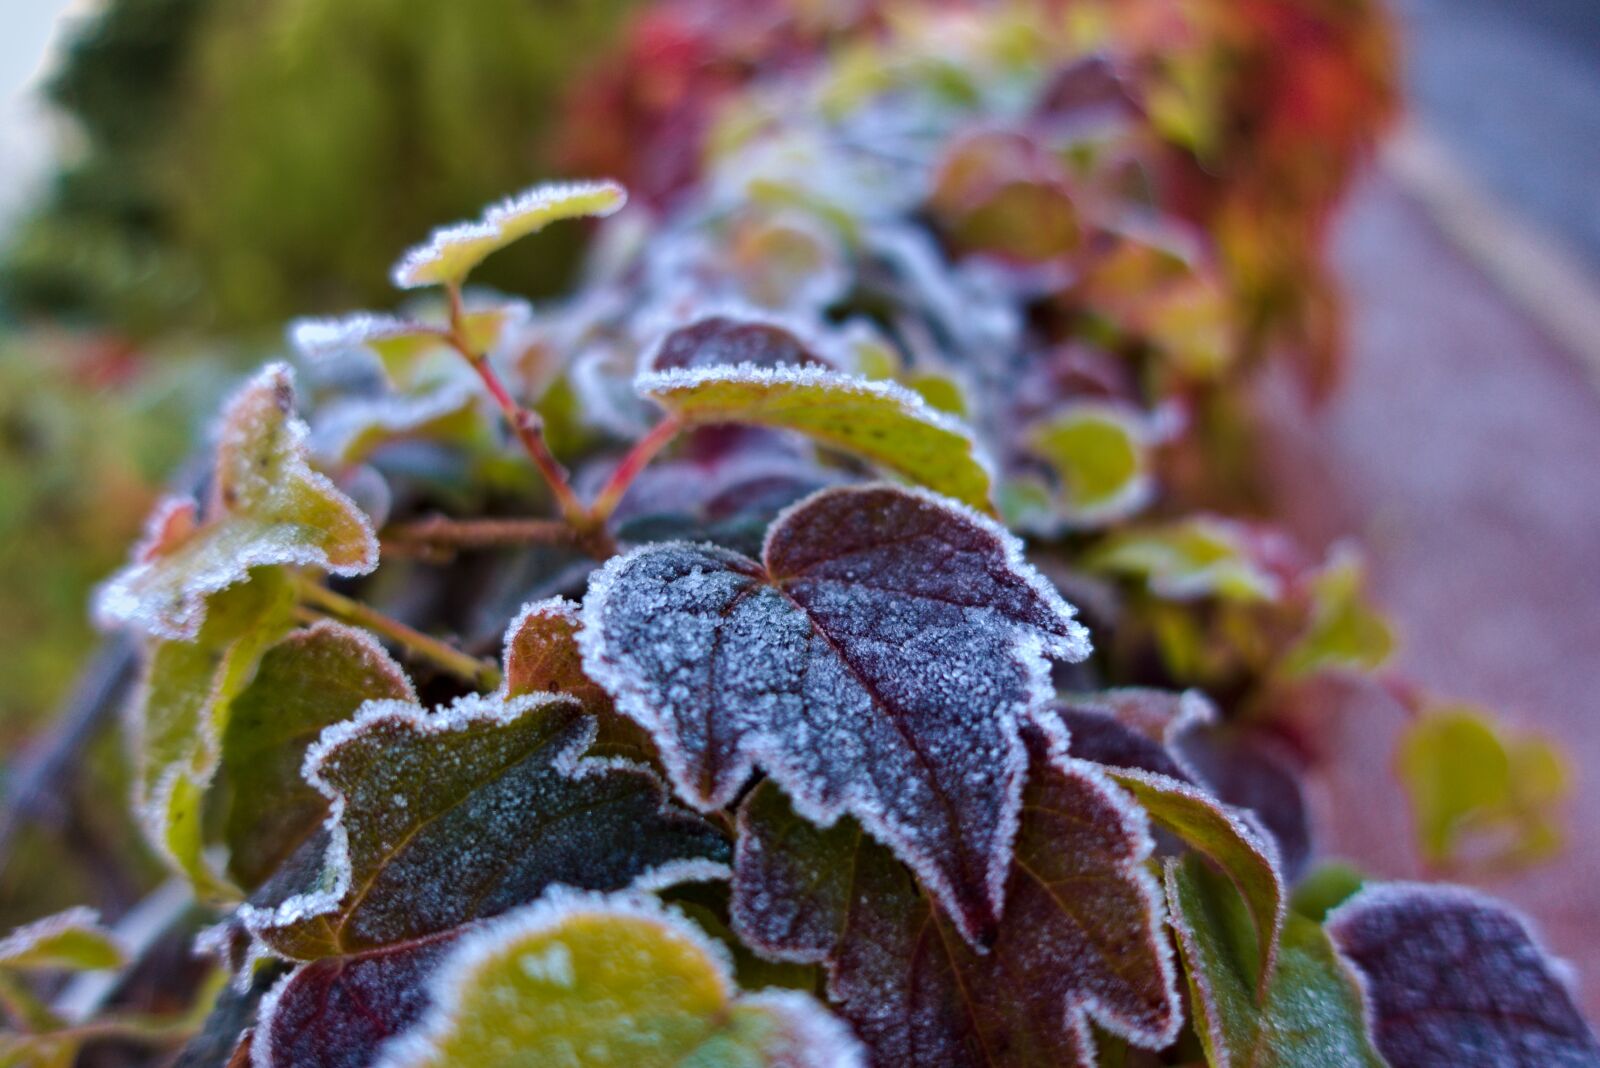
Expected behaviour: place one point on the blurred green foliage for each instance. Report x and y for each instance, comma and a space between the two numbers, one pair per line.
239, 161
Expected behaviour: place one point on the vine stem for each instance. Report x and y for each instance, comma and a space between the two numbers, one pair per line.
439, 530
638, 457
479, 673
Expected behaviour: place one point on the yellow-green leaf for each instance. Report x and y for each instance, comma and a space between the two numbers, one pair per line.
881, 421
452, 252
1344, 632
1474, 784
1101, 454
73, 940
267, 507
595, 981
1202, 556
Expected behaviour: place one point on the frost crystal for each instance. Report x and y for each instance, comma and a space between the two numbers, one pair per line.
878, 663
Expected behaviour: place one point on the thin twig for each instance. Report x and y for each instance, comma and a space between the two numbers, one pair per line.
643, 451
439, 531
479, 673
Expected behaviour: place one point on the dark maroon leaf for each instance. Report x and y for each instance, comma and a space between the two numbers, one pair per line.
879, 662
1248, 773
725, 340
1453, 979
1081, 938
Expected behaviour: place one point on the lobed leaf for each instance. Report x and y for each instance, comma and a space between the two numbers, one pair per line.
602, 981
1081, 938
1099, 451
267, 508
880, 421
73, 940
1308, 1012
1453, 978
452, 252
442, 818
879, 661
314, 678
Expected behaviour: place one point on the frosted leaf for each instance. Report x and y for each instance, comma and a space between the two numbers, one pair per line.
267, 508
1308, 1014
403, 345
1100, 453
1134, 728
1081, 938
317, 339
312, 679
1250, 773
441, 818
879, 662
452, 252
881, 421
73, 940
350, 429
1344, 632
726, 340
1202, 556
599, 981
181, 713
1453, 978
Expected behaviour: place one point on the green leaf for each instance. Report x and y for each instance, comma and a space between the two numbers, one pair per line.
452, 252
310, 680
442, 818
610, 981
1311, 1014
1100, 453
73, 940
404, 345
182, 712
1344, 632
1202, 556
1472, 783
1324, 888
267, 508
880, 421
1206, 825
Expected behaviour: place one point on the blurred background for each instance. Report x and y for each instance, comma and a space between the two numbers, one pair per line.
179, 177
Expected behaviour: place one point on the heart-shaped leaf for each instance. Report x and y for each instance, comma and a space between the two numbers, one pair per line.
1309, 1013
442, 818
878, 662
609, 981
267, 508
73, 940
312, 679
880, 421
1452, 978
452, 252
1081, 938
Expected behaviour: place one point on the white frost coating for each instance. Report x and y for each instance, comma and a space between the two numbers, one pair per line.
499, 222
318, 338
807, 738
261, 1038
343, 424
820, 1040
661, 323
136, 597
24, 940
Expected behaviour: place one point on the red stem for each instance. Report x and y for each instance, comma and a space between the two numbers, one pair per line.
643, 451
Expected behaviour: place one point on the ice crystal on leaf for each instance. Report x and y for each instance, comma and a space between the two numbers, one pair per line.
439, 819
727, 340
879, 662
880, 421
1081, 938
70, 941
1306, 1013
267, 508
609, 982
403, 345
452, 252
311, 680
350, 430
1452, 978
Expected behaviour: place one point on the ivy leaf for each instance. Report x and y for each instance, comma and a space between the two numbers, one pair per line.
312, 679
880, 421
1201, 556
73, 940
1453, 978
878, 662
1310, 1013
267, 508
1472, 784
1344, 632
452, 252
1100, 452
1135, 727
1081, 938
350, 430
401, 344
732, 341
182, 712
621, 979
442, 818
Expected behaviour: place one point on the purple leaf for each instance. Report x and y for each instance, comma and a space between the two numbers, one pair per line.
879, 662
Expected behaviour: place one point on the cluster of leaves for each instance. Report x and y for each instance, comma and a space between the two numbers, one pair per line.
779, 763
